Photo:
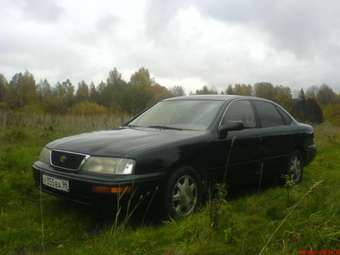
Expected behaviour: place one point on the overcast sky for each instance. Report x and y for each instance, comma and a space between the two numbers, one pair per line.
182, 42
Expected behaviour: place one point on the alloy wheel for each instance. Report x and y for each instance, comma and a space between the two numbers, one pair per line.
184, 195
295, 169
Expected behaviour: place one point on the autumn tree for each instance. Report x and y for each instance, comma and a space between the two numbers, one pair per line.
177, 91
64, 95
44, 91
112, 93
326, 95
265, 90
100, 93
140, 92
312, 92
22, 90
307, 109
87, 108
93, 93
206, 91
159, 92
3, 88
283, 96
241, 89
301, 95
82, 93
46, 97
229, 90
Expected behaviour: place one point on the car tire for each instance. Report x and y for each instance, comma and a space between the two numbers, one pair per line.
295, 167
182, 193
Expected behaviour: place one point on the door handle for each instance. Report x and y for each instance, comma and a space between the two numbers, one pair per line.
261, 145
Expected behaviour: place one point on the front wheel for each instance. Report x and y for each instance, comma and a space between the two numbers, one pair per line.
183, 193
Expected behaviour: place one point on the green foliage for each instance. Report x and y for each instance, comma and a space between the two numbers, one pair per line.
116, 94
239, 89
332, 113
206, 91
119, 96
216, 203
113, 92
3, 87
21, 90
82, 93
177, 91
307, 110
289, 185
279, 94
283, 96
301, 95
326, 95
87, 108
265, 90
229, 90
312, 91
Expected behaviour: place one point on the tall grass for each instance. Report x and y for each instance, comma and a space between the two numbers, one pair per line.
257, 222
63, 123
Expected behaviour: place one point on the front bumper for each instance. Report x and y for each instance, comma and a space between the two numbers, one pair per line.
81, 186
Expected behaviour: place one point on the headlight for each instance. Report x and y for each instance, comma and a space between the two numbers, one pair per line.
103, 165
45, 156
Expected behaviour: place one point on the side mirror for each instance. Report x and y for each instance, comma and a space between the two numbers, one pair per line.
230, 126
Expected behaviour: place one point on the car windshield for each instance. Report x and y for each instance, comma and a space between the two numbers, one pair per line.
180, 114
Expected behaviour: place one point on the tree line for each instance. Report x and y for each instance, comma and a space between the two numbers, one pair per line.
113, 95
116, 95
313, 105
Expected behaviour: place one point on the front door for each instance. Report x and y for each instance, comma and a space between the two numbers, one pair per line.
240, 151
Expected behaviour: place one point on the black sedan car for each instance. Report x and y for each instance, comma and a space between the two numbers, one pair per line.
175, 149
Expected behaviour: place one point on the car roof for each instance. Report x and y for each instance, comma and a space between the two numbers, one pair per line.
212, 97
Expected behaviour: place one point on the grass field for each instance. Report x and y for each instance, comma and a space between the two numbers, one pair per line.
278, 220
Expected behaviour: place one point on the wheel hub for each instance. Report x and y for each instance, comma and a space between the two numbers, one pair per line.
184, 197
295, 169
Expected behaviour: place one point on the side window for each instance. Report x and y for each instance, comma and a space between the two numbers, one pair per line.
268, 114
285, 116
241, 111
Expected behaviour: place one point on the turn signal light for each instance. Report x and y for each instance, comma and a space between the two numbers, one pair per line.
108, 189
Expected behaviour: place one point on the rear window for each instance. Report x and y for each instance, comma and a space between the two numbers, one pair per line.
285, 116
268, 114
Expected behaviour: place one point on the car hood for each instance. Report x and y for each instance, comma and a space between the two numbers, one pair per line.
120, 142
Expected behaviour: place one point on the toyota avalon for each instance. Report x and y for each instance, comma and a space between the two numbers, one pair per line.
176, 149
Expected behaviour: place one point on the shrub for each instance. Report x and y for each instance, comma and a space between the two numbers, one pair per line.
307, 110
332, 113
87, 108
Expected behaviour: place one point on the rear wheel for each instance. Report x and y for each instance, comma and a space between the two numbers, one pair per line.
295, 167
183, 193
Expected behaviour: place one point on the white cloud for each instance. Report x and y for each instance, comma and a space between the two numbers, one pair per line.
182, 42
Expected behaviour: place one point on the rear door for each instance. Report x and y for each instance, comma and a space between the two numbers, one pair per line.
276, 139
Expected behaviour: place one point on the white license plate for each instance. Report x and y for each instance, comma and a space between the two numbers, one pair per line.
56, 183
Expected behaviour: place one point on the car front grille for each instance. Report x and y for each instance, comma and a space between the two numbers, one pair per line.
67, 160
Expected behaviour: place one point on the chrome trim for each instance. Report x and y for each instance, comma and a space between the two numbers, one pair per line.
71, 152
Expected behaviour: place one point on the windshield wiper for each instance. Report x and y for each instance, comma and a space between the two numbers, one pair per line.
131, 125
164, 127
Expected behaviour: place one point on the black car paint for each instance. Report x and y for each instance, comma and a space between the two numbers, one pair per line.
251, 154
